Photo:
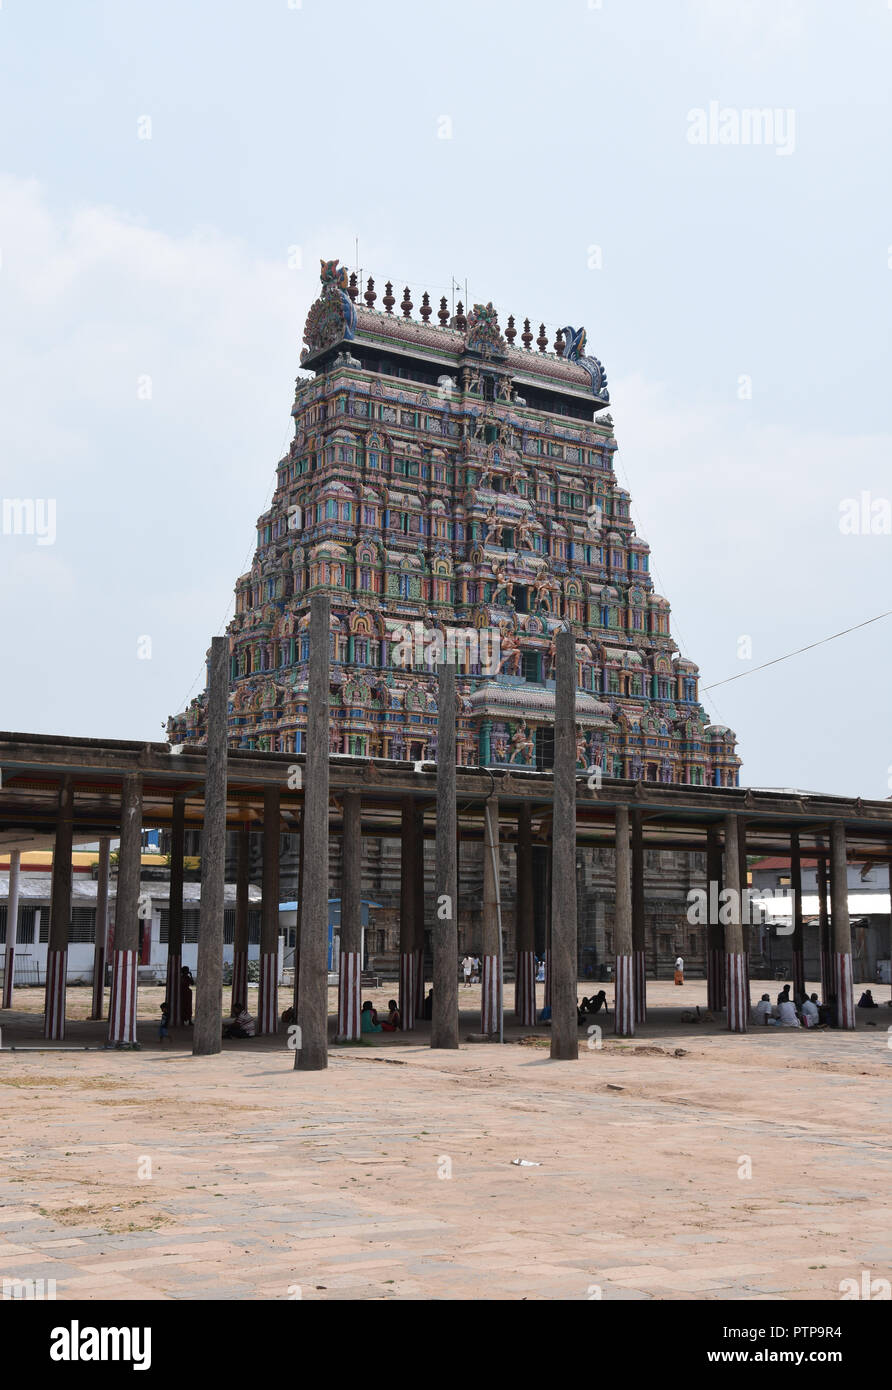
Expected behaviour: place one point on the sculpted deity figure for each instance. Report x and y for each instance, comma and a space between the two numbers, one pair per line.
522, 744
524, 539
503, 584
581, 750
494, 527
510, 650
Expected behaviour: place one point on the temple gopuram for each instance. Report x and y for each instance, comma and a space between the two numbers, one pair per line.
450, 484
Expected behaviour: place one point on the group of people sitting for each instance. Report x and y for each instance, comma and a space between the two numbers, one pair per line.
369, 1022
803, 1011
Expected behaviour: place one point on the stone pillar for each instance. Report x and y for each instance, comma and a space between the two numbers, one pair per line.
240, 936
564, 1026
408, 962
843, 978
715, 946
639, 921
100, 935
549, 875
798, 935
491, 995
525, 944
624, 1012
350, 954
175, 912
824, 932
60, 918
268, 993
12, 921
125, 959
735, 955
207, 1031
444, 1024
312, 1011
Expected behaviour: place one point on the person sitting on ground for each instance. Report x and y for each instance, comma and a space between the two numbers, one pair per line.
827, 1011
784, 995
762, 1011
289, 1016
427, 1011
393, 1022
811, 1014
867, 1000
545, 1014
368, 1019
242, 1025
788, 1016
596, 1003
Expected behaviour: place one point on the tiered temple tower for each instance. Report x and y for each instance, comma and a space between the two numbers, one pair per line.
453, 491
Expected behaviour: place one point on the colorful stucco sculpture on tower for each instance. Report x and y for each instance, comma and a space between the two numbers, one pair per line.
454, 493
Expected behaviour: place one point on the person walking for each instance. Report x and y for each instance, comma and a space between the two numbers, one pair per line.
467, 968
679, 970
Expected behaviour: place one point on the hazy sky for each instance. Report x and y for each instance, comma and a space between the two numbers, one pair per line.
551, 154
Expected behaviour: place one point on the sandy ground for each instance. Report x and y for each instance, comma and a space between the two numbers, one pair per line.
682, 1164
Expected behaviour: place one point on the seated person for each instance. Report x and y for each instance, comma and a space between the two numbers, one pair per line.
784, 995
762, 1011
827, 1012
241, 1025
428, 1007
545, 1014
392, 1022
289, 1016
368, 1019
867, 1000
597, 1003
811, 1014
788, 1015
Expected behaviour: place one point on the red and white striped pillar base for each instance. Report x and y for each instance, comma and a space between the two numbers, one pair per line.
525, 988
349, 995
54, 1006
491, 997
268, 994
624, 1007
122, 1005
640, 964
239, 980
419, 982
845, 990
9, 974
174, 989
98, 981
715, 976
548, 977
798, 974
735, 991
408, 980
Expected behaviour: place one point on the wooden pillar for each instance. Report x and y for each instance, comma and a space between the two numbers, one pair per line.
60, 917
207, 1031
715, 946
798, 935
312, 1012
268, 993
408, 963
300, 908
491, 994
624, 1011
12, 921
824, 932
444, 1024
240, 936
419, 911
564, 1026
175, 912
100, 935
735, 955
350, 954
843, 978
525, 944
745, 913
125, 959
639, 923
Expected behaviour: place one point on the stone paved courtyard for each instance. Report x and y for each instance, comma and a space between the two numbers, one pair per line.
156, 1175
